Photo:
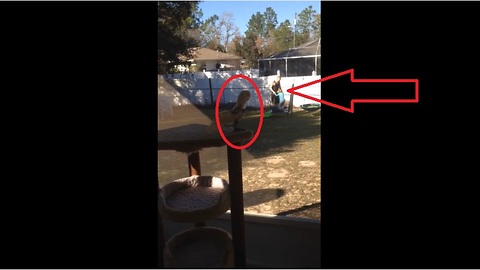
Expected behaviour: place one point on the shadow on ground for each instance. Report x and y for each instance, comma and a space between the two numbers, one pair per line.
260, 196
278, 133
306, 210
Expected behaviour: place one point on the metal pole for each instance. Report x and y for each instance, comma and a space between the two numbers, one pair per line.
286, 67
294, 29
211, 94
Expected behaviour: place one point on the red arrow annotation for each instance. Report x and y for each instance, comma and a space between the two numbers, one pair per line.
353, 101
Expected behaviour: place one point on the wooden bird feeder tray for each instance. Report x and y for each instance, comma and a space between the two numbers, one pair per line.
203, 247
194, 199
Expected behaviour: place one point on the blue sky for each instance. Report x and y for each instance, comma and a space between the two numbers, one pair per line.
243, 10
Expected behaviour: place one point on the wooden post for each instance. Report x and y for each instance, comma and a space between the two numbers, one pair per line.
194, 168
290, 104
194, 163
236, 205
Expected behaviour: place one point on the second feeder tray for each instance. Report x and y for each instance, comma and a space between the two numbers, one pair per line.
194, 199
205, 247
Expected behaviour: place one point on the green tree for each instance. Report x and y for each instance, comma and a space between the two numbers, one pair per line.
249, 49
306, 26
268, 38
252, 44
317, 26
270, 21
259, 39
283, 37
256, 25
177, 37
264, 36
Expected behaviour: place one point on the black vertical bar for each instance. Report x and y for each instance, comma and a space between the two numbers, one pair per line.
236, 206
290, 104
211, 94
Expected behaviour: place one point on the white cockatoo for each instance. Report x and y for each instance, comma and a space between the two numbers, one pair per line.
233, 115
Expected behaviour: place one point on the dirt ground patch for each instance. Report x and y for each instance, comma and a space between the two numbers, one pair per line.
281, 169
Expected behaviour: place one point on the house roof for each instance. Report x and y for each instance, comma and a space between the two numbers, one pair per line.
208, 54
309, 49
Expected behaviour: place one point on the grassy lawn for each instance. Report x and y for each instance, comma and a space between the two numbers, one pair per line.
281, 169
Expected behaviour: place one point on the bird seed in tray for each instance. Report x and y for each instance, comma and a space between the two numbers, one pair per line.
193, 198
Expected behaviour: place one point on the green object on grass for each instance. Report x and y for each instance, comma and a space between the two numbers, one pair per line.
310, 107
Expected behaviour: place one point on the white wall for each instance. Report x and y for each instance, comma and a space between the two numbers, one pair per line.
195, 87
